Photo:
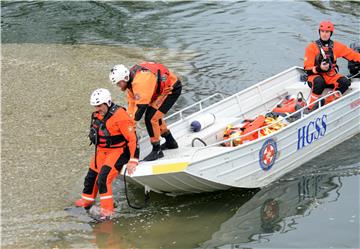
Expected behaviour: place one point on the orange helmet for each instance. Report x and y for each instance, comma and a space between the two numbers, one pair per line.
327, 26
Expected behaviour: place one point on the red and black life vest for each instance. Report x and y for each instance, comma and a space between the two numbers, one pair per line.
100, 136
161, 72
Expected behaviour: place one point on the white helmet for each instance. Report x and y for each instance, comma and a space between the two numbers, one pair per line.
100, 96
119, 72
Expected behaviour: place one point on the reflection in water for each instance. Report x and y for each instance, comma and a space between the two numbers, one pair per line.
224, 218
269, 215
273, 210
170, 220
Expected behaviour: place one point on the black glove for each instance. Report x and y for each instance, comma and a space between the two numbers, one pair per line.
93, 136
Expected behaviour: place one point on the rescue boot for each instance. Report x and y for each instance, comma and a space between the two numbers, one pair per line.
332, 96
170, 141
106, 214
156, 152
106, 206
313, 98
84, 203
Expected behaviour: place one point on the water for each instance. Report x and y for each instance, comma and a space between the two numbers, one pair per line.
55, 53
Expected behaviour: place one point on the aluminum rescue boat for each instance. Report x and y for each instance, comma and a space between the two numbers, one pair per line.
203, 164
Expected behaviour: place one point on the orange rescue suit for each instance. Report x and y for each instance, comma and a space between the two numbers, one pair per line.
110, 158
144, 88
152, 90
339, 50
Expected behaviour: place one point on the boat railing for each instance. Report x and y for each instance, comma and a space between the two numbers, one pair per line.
258, 131
141, 129
235, 96
199, 104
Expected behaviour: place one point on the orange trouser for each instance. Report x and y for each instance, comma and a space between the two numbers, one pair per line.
324, 80
101, 175
155, 124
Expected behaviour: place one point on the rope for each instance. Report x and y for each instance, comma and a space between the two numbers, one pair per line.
193, 141
146, 198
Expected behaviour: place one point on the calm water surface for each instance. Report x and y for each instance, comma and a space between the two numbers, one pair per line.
55, 53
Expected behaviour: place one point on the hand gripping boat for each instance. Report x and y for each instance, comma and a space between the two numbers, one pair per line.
202, 163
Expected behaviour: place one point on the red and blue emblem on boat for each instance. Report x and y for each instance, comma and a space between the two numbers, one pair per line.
268, 154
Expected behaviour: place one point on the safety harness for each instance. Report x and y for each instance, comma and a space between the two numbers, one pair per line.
327, 56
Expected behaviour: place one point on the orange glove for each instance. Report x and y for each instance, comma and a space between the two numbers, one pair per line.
131, 165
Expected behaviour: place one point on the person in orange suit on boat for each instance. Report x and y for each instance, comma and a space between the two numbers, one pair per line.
151, 89
112, 131
320, 63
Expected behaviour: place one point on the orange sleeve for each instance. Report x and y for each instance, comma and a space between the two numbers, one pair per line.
341, 50
131, 104
143, 86
310, 53
126, 126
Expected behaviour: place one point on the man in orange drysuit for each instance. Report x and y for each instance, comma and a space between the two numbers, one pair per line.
153, 90
320, 63
112, 131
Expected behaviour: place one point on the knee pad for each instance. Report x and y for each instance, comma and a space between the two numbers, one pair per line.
344, 84
318, 85
123, 159
149, 114
105, 170
89, 182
